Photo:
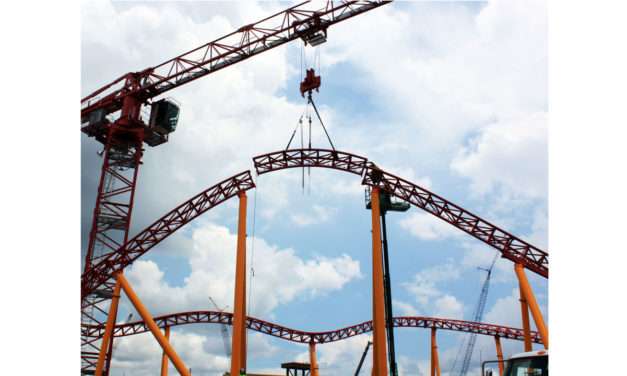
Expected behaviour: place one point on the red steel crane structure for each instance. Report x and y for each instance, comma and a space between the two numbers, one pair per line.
113, 116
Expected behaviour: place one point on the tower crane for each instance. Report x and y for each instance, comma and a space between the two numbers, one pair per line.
478, 315
224, 330
114, 116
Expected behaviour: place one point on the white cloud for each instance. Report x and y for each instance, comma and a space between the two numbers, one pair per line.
454, 69
280, 275
141, 354
511, 154
427, 227
406, 309
341, 358
447, 306
431, 300
320, 214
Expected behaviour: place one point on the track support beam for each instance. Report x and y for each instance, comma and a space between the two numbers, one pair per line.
145, 315
435, 360
378, 301
313, 360
108, 336
533, 304
164, 356
238, 344
524, 311
499, 353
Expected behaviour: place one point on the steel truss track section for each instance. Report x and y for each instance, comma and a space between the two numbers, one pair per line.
299, 21
275, 330
293, 158
164, 227
510, 246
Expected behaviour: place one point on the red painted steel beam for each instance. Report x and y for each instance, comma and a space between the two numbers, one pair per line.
249, 40
510, 246
275, 330
326, 158
162, 228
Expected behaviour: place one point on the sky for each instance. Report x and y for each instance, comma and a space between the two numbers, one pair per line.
449, 95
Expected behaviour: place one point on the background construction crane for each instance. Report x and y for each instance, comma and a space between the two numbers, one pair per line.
477, 317
114, 115
363, 357
224, 331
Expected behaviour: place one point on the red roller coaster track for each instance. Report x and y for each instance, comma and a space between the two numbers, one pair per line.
512, 247
163, 228
326, 158
275, 330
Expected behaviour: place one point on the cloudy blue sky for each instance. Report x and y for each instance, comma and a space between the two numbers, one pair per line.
450, 95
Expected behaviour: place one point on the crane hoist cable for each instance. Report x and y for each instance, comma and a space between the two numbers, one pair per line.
310, 99
298, 124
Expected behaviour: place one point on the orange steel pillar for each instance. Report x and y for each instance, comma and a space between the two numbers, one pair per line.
524, 310
313, 361
380, 366
499, 354
435, 360
150, 323
164, 356
533, 304
104, 346
238, 340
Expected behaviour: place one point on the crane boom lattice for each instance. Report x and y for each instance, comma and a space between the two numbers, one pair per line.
478, 315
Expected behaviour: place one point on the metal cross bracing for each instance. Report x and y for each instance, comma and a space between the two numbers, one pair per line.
299, 21
510, 246
276, 330
164, 227
111, 222
516, 250
333, 159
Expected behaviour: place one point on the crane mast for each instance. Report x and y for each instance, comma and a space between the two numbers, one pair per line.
112, 115
224, 331
477, 318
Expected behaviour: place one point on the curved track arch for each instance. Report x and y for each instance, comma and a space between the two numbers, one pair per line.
510, 246
162, 228
275, 330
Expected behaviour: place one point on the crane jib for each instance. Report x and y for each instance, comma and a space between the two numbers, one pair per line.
293, 23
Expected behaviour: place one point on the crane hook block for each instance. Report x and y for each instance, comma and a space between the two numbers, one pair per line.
310, 82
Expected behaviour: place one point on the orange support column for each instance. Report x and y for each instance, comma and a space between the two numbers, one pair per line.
533, 304
313, 361
108, 335
150, 323
524, 310
499, 354
164, 356
379, 344
435, 360
238, 341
